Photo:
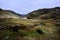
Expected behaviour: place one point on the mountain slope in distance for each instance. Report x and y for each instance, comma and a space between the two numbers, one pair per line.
46, 13
9, 14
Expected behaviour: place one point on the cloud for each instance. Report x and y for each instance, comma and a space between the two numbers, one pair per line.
25, 6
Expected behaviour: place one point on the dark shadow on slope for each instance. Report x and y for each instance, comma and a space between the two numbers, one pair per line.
39, 31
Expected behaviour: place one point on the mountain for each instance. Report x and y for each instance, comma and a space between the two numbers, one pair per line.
46, 13
8, 14
15, 27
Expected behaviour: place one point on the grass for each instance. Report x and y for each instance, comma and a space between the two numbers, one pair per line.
49, 29
32, 33
7, 35
12, 21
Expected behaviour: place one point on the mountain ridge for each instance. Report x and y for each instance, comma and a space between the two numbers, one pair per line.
46, 13
8, 14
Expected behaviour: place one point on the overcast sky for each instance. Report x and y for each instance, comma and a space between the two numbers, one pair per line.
26, 6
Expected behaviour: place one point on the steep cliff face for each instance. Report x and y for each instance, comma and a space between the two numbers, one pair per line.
46, 13
8, 14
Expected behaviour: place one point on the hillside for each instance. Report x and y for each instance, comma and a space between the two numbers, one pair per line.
13, 27
28, 29
8, 14
46, 13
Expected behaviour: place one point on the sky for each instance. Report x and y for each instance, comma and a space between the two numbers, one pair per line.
26, 6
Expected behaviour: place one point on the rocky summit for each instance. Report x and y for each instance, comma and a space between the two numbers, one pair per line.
41, 24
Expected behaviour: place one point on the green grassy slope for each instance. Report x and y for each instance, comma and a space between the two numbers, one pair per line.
19, 29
